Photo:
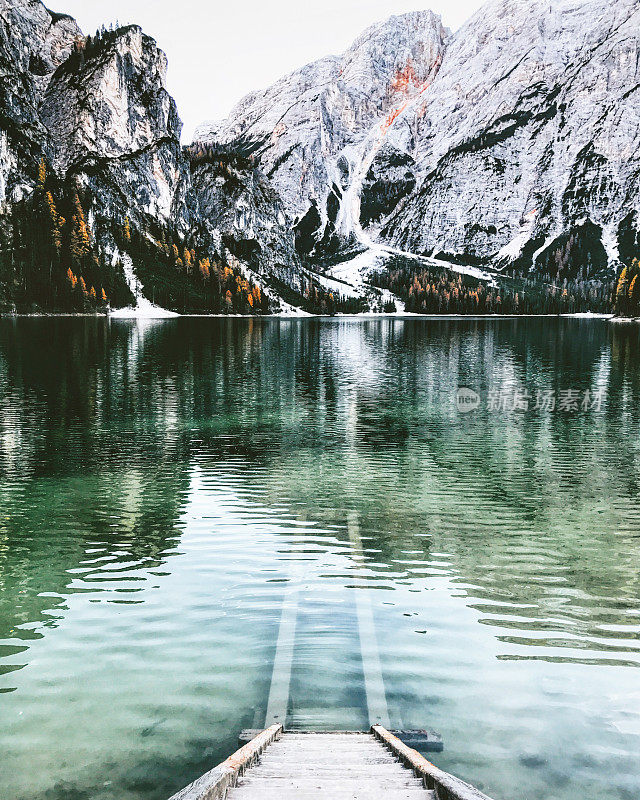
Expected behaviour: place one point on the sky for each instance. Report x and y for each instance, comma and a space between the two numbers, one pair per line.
220, 51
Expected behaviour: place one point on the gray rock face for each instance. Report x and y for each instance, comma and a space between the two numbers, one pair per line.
530, 133
109, 101
391, 177
98, 112
114, 125
243, 214
513, 141
33, 42
312, 123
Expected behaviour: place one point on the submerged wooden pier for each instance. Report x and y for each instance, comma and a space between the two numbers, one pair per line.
298, 765
288, 761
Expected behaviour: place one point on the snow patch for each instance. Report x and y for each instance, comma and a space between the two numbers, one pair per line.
143, 309
514, 248
547, 242
286, 309
5, 165
609, 241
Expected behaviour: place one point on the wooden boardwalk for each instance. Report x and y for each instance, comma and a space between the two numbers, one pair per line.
332, 765
327, 766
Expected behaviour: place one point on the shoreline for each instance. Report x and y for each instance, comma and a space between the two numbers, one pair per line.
306, 315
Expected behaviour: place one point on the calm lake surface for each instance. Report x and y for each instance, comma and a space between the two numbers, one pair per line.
167, 487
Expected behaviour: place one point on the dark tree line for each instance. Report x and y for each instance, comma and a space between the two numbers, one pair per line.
177, 274
431, 291
49, 258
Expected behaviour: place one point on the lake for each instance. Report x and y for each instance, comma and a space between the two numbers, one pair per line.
180, 498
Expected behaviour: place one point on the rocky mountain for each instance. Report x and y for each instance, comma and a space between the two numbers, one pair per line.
511, 144
97, 195
529, 138
314, 123
33, 43
243, 214
112, 124
435, 165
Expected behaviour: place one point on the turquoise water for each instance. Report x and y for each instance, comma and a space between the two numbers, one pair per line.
167, 488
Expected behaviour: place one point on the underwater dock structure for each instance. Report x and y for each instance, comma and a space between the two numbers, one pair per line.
299, 756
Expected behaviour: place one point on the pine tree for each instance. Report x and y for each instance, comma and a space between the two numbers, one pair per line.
634, 289
80, 240
622, 291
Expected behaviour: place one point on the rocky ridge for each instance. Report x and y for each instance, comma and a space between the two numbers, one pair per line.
512, 143
94, 114
509, 146
528, 136
312, 123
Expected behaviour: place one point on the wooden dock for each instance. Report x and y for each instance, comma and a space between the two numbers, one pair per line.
286, 761
297, 765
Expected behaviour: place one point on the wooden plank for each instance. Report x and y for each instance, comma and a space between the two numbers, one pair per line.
334, 771
445, 785
319, 719
215, 783
340, 766
366, 793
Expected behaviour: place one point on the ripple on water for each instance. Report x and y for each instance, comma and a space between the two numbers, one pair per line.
165, 491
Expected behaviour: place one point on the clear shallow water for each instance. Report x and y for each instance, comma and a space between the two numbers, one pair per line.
166, 486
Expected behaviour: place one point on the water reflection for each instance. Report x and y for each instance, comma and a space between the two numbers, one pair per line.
164, 485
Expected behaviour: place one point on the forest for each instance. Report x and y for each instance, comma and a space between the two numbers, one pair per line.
178, 275
440, 291
50, 260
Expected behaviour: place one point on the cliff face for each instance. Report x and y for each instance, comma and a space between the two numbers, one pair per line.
95, 109
312, 124
33, 42
243, 215
529, 137
513, 142
95, 184
115, 128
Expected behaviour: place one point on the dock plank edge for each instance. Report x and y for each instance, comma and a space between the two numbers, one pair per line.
445, 786
214, 784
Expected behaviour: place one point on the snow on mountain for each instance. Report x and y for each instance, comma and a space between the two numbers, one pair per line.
312, 123
515, 139
511, 144
530, 132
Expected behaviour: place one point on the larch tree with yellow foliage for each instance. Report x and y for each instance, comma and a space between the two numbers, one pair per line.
627, 294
